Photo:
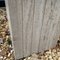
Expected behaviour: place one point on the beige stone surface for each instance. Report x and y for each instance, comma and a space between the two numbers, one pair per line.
34, 25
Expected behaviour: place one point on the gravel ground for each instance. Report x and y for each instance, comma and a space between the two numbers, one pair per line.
51, 54
6, 50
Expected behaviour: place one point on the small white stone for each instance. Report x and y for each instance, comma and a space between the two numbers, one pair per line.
54, 58
53, 54
50, 57
34, 55
54, 50
59, 58
0, 50
4, 57
24, 59
49, 52
46, 56
1, 57
58, 53
7, 37
12, 51
9, 55
29, 58
10, 46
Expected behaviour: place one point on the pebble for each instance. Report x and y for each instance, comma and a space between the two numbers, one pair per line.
58, 53
54, 50
50, 57
4, 58
1, 57
48, 52
29, 58
34, 55
52, 53
0, 50
59, 58
9, 54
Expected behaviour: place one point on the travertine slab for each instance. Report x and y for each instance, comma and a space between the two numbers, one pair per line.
34, 24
